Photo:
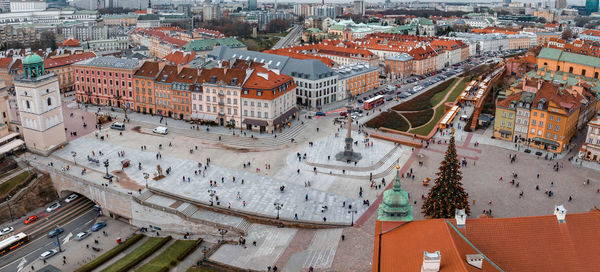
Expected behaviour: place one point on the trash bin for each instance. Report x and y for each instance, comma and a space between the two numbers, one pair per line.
118, 240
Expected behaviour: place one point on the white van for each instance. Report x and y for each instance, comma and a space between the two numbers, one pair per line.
118, 126
161, 130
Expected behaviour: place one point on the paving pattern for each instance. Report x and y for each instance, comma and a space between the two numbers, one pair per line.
258, 192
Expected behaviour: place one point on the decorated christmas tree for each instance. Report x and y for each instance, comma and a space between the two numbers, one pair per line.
447, 194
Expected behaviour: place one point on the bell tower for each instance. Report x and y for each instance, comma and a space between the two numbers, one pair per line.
395, 205
40, 107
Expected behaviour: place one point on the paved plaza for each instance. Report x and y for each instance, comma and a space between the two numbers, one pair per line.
333, 183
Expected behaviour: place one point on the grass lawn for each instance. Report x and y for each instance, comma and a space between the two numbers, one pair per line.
169, 257
439, 96
425, 100
110, 254
139, 254
418, 118
9, 185
200, 269
8, 172
439, 111
389, 119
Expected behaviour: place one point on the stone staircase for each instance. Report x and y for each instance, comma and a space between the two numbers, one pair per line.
145, 195
188, 209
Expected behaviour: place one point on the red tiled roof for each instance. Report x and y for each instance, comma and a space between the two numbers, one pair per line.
72, 42
284, 52
422, 52
187, 75
162, 36
506, 102
179, 57
66, 60
167, 75
591, 32
148, 69
534, 243
5, 62
224, 74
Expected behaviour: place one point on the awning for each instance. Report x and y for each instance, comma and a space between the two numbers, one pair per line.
206, 117
505, 131
284, 117
11, 146
8, 137
546, 141
255, 122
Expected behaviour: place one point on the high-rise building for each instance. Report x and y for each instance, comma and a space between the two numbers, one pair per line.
40, 108
591, 6
30, 5
561, 4
359, 7
211, 12
252, 4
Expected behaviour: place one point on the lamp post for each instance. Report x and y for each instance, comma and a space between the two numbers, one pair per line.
74, 154
106, 164
352, 212
205, 250
58, 243
146, 176
278, 207
222, 232
211, 193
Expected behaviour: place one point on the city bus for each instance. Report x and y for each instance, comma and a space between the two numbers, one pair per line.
374, 102
13, 242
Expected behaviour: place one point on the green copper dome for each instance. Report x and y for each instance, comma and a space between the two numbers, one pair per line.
33, 58
395, 205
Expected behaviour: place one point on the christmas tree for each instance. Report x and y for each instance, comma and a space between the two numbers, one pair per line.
447, 194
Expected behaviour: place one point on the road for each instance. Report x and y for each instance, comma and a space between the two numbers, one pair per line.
290, 38
73, 217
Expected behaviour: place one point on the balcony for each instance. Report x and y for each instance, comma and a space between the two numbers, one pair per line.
221, 103
221, 94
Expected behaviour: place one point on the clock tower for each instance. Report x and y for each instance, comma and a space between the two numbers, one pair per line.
40, 107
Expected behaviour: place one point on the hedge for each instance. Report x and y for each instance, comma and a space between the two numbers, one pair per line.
170, 257
388, 119
418, 118
139, 254
110, 254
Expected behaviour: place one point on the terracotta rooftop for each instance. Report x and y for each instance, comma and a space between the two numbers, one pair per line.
224, 75
187, 75
66, 60
167, 75
149, 69
263, 78
507, 101
72, 42
179, 57
535, 243
5, 62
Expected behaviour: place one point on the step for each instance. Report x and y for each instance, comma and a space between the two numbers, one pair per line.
145, 195
189, 209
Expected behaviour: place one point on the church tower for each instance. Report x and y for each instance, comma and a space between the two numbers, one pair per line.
40, 108
395, 205
149, 9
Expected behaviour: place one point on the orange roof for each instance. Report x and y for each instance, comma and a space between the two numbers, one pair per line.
422, 52
187, 75
506, 102
72, 42
167, 75
180, 57
492, 29
591, 32
5, 62
271, 84
148, 69
223, 74
158, 33
66, 60
535, 243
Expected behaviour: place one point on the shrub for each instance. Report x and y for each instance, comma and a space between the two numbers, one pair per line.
170, 257
110, 254
139, 254
389, 119
418, 118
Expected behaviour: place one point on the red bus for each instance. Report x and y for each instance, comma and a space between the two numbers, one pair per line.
374, 102
13, 242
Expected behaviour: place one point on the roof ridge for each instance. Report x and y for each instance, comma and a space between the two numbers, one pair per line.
470, 244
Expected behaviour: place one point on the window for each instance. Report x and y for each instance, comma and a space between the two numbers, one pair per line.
541, 123
245, 112
533, 122
548, 135
535, 113
235, 101
557, 119
551, 118
583, 72
532, 131
251, 113
540, 132
556, 128
251, 103
504, 114
555, 136
542, 114
503, 123
49, 101
549, 126
234, 111
571, 70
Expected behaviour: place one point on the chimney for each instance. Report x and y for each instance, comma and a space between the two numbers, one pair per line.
475, 260
461, 218
431, 261
560, 213
564, 76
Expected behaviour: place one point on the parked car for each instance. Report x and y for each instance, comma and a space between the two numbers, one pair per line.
30, 219
418, 88
389, 98
343, 113
55, 232
82, 235
6, 230
53, 207
161, 130
320, 113
98, 226
117, 126
48, 254
360, 100
71, 197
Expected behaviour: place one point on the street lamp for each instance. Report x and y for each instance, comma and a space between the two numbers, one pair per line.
106, 164
352, 212
211, 193
278, 207
222, 232
74, 154
146, 176
205, 250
